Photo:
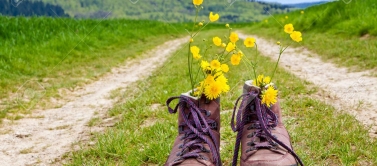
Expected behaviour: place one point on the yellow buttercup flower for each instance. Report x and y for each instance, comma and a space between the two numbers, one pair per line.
223, 45
249, 42
286, 17
215, 64
269, 96
235, 59
227, 25
212, 91
196, 56
278, 43
296, 36
217, 41
191, 40
200, 24
240, 53
288, 28
302, 12
230, 47
213, 17
197, 2
194, 50
224, 68
233, 37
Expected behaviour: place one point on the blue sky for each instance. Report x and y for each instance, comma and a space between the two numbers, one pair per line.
291, 1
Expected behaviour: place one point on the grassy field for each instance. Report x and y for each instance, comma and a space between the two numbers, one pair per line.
340, 32
146, 131
39, 56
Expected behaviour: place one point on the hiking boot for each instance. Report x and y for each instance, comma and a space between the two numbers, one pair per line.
264, 139
198, 139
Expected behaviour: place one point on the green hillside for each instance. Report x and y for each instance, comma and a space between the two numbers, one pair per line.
341, 32
171, 11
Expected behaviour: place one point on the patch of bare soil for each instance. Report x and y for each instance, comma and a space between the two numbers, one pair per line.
41, 141
353, 92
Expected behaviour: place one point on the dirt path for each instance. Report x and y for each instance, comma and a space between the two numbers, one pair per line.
354, 92
39, 141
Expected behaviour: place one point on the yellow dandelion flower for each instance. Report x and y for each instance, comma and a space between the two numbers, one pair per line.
235, 59
217, 41
224, 68
269, 96
249, 42
230, 47
221, 79
288, 28
194, 50
197, 2
196, 56
205, 65
213, 17
212, 91
267, 80
296, 36
209, 80
233, 37
259, 80
215, 64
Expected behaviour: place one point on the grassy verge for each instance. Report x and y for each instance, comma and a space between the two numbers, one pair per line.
339, 32
144, 136
39, 56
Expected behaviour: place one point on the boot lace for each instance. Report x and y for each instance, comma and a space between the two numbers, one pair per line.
263, 120
197, 129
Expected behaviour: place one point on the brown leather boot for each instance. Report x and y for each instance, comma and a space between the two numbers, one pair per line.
264, 139
198, 141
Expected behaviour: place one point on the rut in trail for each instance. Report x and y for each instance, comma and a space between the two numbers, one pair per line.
40, 141
353, 92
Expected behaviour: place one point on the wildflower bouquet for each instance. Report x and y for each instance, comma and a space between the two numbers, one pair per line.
269, 92
213, 67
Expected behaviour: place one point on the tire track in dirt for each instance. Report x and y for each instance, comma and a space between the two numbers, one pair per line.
353, 92
40, 141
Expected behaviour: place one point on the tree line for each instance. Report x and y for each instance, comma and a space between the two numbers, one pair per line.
29, 8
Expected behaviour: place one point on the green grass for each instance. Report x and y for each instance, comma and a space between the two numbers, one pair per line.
40, 55
320, 135
339, 32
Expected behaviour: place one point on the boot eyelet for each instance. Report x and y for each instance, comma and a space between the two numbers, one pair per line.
208, 113
180, 146
178, 159
250, 144
251, 149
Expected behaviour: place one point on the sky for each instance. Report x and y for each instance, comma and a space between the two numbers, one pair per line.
291, 1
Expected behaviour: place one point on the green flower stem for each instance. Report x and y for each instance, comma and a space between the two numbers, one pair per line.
276, 65
190, 68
